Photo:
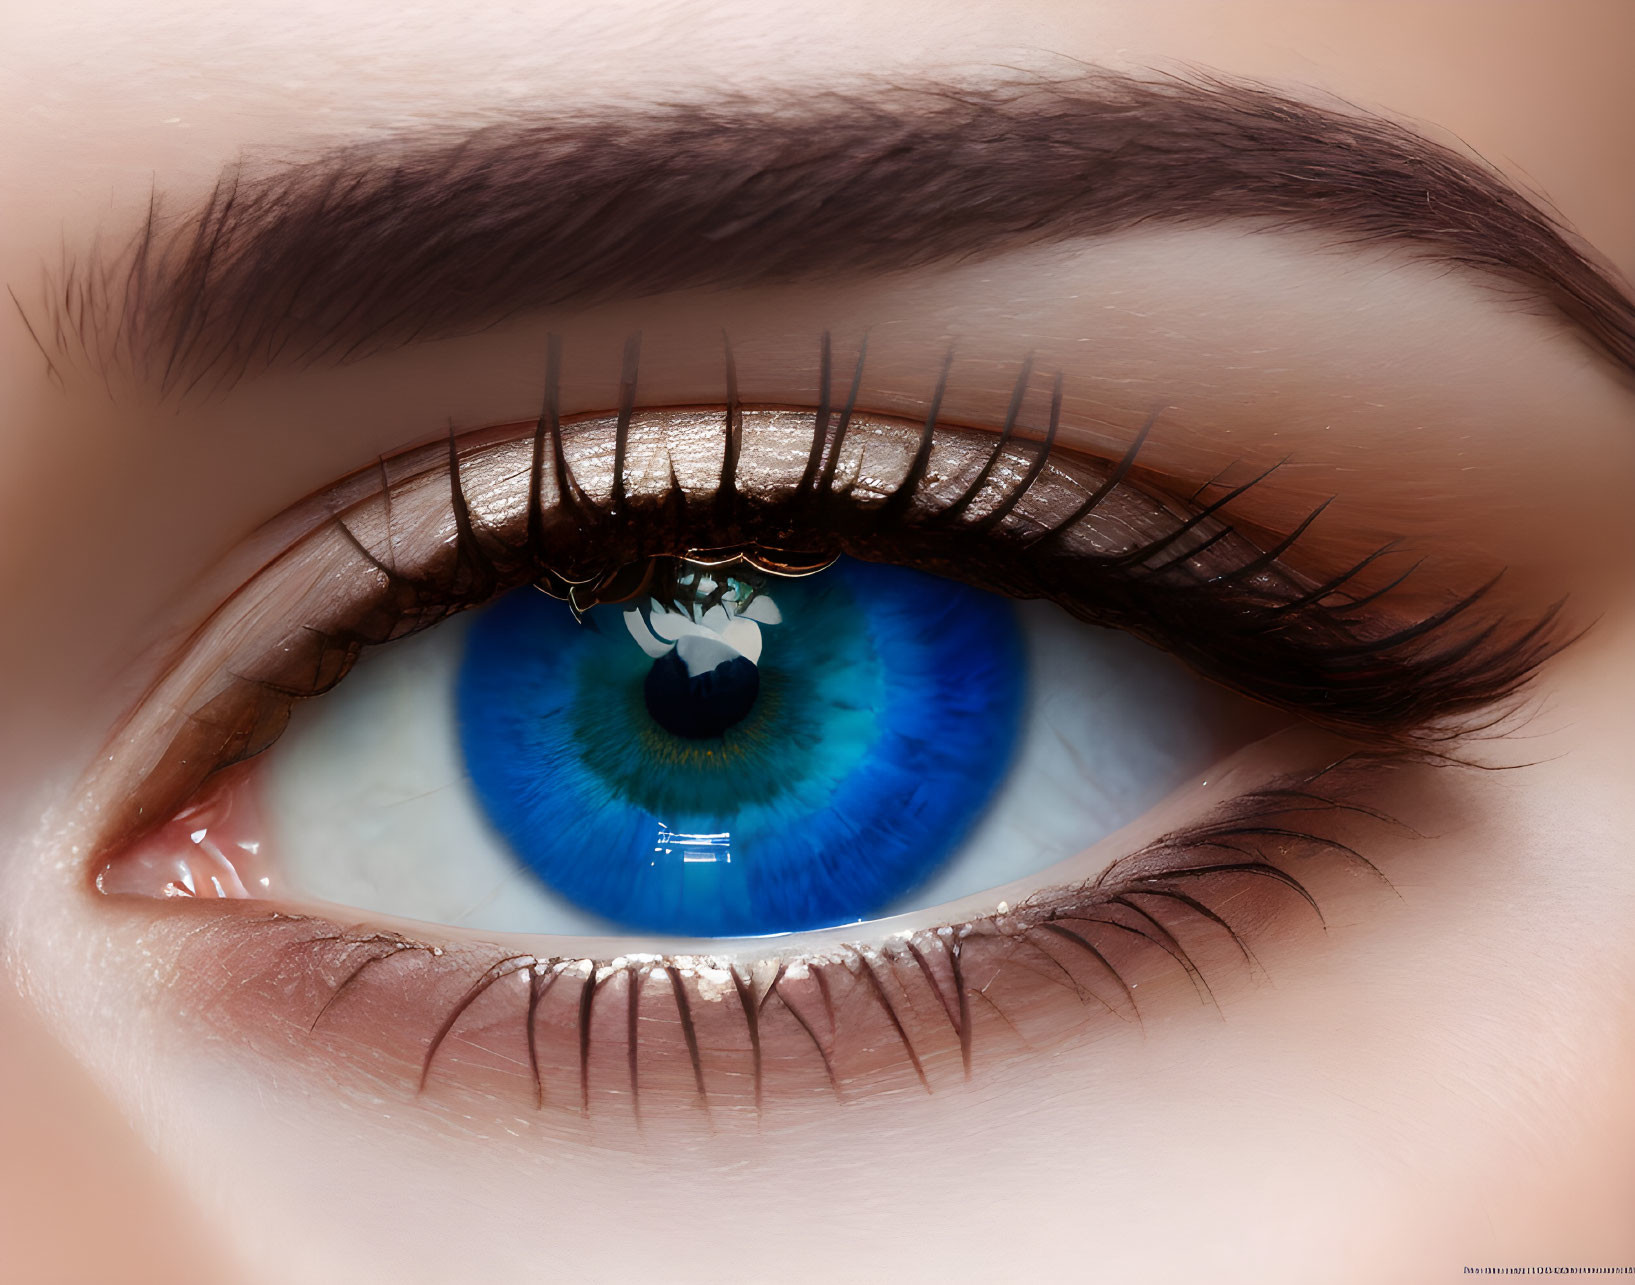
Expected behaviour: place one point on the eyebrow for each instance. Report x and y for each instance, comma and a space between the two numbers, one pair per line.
427, 234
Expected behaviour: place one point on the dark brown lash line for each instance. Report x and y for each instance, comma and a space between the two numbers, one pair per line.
1239, 617
1238, 829
1497, 668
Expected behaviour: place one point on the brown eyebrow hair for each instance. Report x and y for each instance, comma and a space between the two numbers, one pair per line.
374, 244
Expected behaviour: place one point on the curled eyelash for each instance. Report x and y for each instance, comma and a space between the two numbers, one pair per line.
1231, 609
930, 1001
1349, 660
1003, 512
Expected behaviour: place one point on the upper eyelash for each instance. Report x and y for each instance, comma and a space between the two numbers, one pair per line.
1473, 671
1199, 588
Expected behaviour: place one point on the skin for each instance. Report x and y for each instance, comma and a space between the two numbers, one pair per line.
1439, 1081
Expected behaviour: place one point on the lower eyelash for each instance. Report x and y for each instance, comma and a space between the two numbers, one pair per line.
588, 1036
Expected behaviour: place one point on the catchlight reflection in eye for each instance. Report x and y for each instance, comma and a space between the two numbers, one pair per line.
726, 753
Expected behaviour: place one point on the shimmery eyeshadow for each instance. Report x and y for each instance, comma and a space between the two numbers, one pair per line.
395, 549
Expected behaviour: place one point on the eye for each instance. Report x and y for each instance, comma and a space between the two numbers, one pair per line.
811, 752
792, 669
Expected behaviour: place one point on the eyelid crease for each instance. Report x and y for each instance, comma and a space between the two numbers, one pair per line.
441, 528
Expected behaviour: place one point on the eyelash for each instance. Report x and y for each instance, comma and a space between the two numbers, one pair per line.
1105, 933
1026, 518
1231, 610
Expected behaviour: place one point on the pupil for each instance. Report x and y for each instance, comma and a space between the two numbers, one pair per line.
702, 700
703, 633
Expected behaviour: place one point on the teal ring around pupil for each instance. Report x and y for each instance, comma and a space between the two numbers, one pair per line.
811, 725
888, 708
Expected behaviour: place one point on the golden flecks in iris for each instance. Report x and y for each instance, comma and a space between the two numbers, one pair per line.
731, 749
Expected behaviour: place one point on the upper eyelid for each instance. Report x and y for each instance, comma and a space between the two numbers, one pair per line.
225, 698
336, 244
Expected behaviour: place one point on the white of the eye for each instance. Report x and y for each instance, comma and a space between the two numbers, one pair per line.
370, 805
1112, 725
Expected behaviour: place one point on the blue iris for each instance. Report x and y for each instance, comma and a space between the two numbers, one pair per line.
694, 789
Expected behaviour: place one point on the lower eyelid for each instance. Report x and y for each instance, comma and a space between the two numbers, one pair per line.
714, 1037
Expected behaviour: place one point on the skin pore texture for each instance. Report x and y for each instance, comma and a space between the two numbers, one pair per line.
1437, 1079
